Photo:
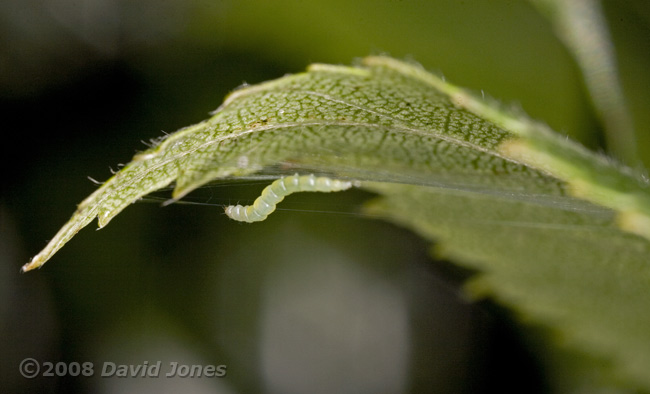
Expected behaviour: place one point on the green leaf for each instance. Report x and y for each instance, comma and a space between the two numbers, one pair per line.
559, 233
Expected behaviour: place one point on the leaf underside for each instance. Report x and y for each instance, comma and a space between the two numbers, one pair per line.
557, 232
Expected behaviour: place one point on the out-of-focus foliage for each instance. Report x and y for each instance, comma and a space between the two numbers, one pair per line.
105, 74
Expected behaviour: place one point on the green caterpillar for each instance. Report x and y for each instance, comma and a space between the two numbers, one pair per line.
265, 204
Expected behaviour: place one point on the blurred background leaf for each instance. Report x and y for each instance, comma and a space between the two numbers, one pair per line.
82, 82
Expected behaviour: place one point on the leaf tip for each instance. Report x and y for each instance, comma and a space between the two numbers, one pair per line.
104, 217
29, 266
180, 191
36, 261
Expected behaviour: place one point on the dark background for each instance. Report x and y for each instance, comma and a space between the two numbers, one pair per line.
318, 298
